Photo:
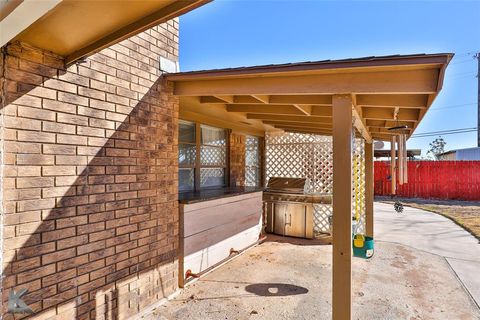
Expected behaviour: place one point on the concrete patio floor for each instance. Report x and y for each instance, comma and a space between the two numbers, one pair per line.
286, 278
435, 234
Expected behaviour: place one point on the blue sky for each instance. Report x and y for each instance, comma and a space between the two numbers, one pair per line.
227, 33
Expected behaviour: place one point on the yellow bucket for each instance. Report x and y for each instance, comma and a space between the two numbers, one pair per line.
359, 240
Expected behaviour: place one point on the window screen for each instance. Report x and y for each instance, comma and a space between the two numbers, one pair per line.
213, 157
252, 162
212, 165
187, 152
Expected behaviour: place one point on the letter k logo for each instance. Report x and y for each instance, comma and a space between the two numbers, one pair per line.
15, 304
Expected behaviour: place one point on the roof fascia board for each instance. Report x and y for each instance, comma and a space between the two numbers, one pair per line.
434, 60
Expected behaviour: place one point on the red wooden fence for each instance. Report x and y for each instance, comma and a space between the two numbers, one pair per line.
458, 180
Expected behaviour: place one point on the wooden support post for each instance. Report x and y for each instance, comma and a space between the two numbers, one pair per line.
400, 158
342, 207
405, 159
369, 188
393, 167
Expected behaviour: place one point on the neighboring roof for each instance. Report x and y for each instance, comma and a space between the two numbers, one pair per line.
473, 149
462, 149
383, 153
387, 91
75, 29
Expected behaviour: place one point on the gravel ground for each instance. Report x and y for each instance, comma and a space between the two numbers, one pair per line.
282, 280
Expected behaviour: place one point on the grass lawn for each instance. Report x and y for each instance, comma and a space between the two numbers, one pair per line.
464, 213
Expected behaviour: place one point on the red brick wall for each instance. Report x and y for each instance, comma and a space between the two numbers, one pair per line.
237, 160
90, 178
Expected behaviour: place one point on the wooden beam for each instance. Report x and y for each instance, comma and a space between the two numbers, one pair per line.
303, 128
265, 109
168, 12
388, 114
386, 131
300, 118
388, 123
225, 99
323, 100
299, 124
342, 207
319, 100
211, 100
359, 122
369, 184
381, 136
262, 98
307, 110
423, 81
319, 111
319, 132
393, 100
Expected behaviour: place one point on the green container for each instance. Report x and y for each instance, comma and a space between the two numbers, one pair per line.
365, 251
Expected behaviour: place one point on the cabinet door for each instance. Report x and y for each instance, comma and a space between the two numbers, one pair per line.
279, 220
295, 220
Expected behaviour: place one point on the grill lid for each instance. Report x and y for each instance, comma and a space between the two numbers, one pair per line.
291, 185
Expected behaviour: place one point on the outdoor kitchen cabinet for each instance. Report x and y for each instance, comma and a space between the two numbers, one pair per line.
290, 219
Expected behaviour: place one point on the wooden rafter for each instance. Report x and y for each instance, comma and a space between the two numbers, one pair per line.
225, 99
265, 109
262, 98
359, 122
418, 101
263, 116
299, 124
307, 110
388, 114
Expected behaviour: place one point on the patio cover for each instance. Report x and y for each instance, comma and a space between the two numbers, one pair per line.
386, 91
325, 97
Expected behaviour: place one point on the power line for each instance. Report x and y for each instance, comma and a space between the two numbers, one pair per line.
444, 132
453, 106
449, 130
461, 61
462, 74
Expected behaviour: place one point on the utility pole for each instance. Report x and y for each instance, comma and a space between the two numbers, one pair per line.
478, 99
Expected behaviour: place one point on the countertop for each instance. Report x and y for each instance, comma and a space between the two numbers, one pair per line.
211, 194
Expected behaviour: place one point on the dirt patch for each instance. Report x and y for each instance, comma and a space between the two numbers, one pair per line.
464, 213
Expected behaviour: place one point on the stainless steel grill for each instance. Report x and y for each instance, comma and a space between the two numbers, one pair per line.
289, 208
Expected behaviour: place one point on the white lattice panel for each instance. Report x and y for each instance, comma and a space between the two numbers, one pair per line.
310, 156
296, 155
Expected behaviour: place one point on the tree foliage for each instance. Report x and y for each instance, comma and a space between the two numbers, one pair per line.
437, 147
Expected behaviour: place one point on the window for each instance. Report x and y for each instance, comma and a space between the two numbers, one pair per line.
187, 154
213, 157
207, 143
252, 162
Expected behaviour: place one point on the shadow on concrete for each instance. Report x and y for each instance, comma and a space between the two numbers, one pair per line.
275, 289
